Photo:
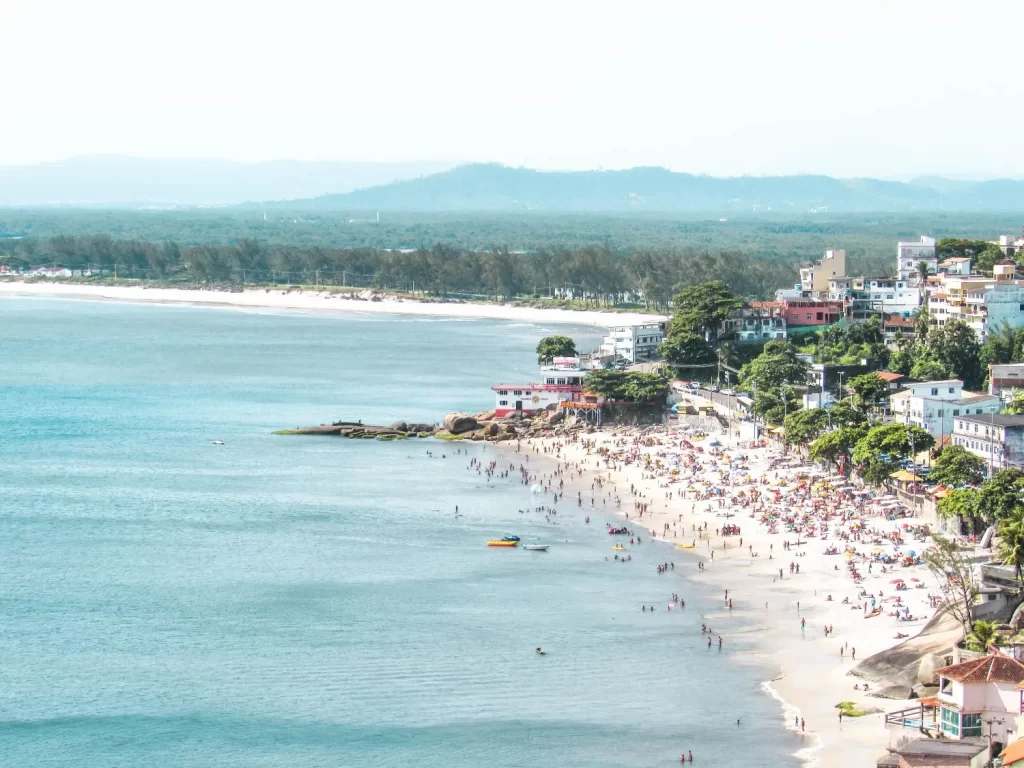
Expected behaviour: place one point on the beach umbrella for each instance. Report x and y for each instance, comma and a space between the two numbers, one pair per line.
896, 581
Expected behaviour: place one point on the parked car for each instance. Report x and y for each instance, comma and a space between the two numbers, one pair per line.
728, 392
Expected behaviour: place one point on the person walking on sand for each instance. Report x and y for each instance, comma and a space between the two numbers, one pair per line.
853, 654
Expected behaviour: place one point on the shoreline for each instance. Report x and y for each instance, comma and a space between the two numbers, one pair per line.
810, 676
317, 301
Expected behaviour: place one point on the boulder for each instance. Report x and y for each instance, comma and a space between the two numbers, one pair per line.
555, 416
420, 427
401, 426
457, 423
485, 416
491, 429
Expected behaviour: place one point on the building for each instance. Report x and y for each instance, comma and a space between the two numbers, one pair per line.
938, 753
561, 381
957, 265
895, 327
1010, 245
981, 698
996, 438
635, 343
761, 321
979, 301
933, 405
909, 255
895, 381
1013, 755
804, 312
814, 279
1005, 378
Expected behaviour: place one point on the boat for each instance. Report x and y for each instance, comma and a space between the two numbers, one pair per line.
501, 543
619, 548
684, 546
510, 538
218, 442
536, 547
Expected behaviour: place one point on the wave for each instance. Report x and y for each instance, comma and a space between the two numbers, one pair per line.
789, 714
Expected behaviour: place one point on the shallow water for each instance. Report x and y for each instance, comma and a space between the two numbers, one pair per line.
305, 601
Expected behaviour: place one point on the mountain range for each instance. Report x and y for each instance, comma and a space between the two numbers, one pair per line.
497, 188
113, 181
146, 182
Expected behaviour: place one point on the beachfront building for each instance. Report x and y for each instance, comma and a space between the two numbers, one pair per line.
956, 266
761, 321
810, 311
1006, 379
979, 301
981, 698
934, 405
814, 279
634, 343
995, 438
560, 381
910, 255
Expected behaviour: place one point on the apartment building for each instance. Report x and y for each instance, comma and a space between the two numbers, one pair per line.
934, 405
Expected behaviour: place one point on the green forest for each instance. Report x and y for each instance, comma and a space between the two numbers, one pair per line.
603, 259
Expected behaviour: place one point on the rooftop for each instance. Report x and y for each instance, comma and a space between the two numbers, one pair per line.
997, 419
889, 376
994, 668
942, 748
1013, 753
977, 397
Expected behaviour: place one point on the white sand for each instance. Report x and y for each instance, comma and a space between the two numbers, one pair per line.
813, 676
318, 301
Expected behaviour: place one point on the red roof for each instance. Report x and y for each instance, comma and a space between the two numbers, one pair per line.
887, 376
995, 668
1013, 753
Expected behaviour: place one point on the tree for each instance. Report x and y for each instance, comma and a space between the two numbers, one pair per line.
962, 502
956, 346
879, 452
844, 415
981, 636
805, 425
551, 347
1011, 541
699, 309
927, 368
1016, 405
869, 390
775, 366
902, 360
956, 465
833, 447
951, 564
1000, 496
634, 386
684, 348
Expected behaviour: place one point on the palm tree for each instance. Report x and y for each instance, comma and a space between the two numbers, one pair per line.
981, 635
1011, 540
922, 276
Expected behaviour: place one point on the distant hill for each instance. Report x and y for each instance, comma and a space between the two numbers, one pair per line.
140, 182
489, 187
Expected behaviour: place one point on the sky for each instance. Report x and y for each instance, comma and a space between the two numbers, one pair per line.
890, 89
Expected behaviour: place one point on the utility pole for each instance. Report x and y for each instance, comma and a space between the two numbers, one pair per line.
841, 374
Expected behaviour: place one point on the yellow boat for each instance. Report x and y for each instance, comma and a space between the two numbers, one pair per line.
684, 546
619, 548
501, 543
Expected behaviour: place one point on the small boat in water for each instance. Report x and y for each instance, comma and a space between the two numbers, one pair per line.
502, 543
510, 538
536, 547
619, 548
218, 442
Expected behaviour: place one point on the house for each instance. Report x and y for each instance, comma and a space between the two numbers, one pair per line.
938, 753
981, 698
1005, 378
761, 321
1013, 755
933, 405
895, 327
1010, 244
957, 265
909, 255
814, 279
996, 438
635, 343
895, 381
810, 312
562, 381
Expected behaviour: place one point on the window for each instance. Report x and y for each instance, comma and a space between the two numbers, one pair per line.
503, 402
935, 391
527, 393
956, 412
518, 392
546, 381
977, 410
970, 725
951, 722
951, 390
502, 391
560, 381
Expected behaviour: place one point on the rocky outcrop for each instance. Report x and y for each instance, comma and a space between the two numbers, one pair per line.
458, 423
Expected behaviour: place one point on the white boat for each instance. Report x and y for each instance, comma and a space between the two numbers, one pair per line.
536, 547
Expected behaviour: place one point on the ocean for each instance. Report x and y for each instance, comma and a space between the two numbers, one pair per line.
312, 601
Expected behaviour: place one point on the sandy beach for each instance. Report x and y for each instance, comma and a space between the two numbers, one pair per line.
775, 582
311, 301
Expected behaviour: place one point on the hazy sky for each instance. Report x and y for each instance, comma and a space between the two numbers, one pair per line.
844, 87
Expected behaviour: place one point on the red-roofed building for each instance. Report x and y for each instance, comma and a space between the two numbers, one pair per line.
978, 690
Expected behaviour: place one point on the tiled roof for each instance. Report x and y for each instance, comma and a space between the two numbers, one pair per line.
1013, 753
887, 376
994, 668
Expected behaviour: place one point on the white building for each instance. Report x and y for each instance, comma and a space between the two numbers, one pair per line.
1010, 244
980, 698
979, 301
933, 405
562, 380
635, 343
1005, 379
814, 279
909, 255
956, 265
995, 438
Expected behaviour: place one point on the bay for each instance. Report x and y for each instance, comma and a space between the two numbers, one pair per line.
303, 601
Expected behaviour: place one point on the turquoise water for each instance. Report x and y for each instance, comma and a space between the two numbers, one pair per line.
303, 601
